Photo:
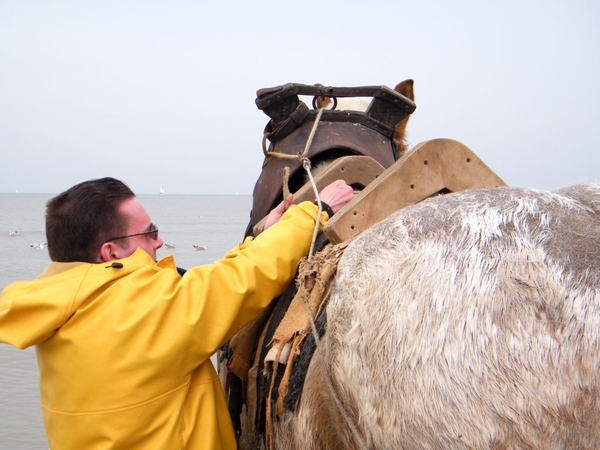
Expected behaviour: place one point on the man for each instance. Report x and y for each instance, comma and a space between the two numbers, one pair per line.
124, 342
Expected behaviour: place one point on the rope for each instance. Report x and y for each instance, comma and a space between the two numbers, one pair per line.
312, 132
286, 188
343, 413
307, 167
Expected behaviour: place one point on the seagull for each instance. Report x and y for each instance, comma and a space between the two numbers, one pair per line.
38, 246
200, 247
170, 245
12, 233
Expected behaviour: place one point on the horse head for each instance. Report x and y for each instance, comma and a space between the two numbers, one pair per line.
376, 129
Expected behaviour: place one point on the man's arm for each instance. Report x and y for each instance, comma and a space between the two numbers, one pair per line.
336, 195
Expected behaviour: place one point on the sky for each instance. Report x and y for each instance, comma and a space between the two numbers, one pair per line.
160, 93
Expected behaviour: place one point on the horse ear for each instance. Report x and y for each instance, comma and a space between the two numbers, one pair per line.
405, 88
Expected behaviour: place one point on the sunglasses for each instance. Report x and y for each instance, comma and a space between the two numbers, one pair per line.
152, 234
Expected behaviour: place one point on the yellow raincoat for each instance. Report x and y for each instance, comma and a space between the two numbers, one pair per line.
124, 353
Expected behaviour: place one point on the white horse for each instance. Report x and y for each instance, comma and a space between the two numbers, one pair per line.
469, 320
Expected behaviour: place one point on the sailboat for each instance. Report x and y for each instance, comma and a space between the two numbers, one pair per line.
161, 191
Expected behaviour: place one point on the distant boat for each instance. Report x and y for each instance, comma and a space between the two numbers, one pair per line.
161, 191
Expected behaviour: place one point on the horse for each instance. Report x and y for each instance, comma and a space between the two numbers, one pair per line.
469, 319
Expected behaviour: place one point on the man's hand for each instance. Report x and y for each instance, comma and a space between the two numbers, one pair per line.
336, 195
278, 211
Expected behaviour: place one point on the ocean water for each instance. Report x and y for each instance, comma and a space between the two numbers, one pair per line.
215, 221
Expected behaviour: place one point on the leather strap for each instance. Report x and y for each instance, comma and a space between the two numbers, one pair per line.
325, 207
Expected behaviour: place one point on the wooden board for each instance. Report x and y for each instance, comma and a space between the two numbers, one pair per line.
357, 171
435, 166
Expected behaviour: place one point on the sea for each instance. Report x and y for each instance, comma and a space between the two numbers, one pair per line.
217, 222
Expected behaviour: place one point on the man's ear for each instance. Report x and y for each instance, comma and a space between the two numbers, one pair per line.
109, 252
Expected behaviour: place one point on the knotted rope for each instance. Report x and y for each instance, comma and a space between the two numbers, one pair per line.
306, 164
307, 167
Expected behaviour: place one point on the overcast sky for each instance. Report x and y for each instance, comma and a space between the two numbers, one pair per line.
162, 92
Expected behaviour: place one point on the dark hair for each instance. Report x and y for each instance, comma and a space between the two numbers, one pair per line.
82, 218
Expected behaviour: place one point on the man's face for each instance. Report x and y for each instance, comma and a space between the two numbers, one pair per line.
138, 221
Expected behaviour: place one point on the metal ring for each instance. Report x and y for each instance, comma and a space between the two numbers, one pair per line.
314, 102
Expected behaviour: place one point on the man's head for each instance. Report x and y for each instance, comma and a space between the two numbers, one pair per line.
93, 222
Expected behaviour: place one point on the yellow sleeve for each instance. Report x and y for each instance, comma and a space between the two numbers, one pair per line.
219, 299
